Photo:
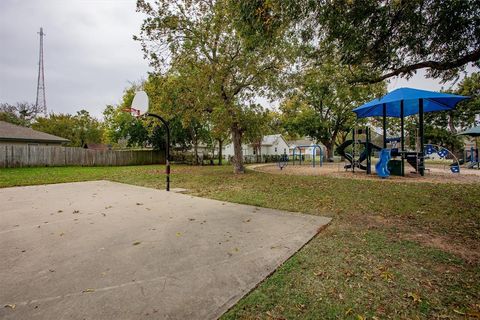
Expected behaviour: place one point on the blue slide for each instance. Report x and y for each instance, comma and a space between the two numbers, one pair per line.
382, 165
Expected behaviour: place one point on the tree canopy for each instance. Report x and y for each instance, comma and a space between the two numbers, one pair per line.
80, 128
197, 42
321, 104
386, 38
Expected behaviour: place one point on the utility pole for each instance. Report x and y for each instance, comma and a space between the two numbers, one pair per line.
41, 102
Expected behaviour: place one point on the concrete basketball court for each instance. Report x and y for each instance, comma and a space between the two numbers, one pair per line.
104, 250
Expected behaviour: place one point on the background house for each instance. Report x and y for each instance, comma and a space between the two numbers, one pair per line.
11, 134
270, 145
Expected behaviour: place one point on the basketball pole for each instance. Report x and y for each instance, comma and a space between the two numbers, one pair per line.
167, 151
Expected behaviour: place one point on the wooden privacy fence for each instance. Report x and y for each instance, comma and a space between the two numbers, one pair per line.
14, 156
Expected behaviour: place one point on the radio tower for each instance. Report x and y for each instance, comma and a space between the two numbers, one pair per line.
41, 102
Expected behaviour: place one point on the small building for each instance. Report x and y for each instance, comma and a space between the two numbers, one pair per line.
11, 134
270, 145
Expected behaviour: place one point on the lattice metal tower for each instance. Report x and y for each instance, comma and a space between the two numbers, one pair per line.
41, 102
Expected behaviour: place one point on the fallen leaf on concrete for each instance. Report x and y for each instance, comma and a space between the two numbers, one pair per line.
178, 234
136, 243
139, 204
59, 211
62, 234
88, 290
76, 211
11, 306
248, 220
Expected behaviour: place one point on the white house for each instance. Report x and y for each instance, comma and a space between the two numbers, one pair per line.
273, 144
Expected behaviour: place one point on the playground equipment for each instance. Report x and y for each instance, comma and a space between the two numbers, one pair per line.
314, 152
356, 148
433, 149
405, 102
471, 158
283, 161
381, 168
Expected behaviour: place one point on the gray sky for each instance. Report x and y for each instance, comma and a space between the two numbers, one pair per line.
89, 53
90, 56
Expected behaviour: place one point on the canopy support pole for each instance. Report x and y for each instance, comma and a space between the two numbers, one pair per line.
384, 126
369, 150
420, 120
402, 136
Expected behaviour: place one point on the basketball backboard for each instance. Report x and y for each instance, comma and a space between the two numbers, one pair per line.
140, 102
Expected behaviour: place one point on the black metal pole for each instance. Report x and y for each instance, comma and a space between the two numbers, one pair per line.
384, 126
420, 120
369, 151
402, 136
353, 148
167, 151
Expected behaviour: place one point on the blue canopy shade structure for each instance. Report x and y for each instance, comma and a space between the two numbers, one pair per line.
432, 101
405, 102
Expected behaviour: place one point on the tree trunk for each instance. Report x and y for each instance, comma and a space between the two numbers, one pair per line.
450, 123
195, 152
237, 149
220, 145
329, 147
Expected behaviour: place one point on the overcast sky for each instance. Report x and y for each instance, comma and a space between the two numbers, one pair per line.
90, 56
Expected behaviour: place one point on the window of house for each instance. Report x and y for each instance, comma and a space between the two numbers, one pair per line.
275, 149
254, 152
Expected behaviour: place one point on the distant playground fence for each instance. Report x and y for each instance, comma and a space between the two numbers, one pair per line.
14, 156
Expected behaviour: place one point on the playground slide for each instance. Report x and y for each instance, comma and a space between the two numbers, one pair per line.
363, 156
382, 165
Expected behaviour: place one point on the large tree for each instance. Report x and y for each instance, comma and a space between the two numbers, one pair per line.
388, 38
320, 106
198, 40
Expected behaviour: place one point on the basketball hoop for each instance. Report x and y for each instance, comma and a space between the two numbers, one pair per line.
139, 106
134, 112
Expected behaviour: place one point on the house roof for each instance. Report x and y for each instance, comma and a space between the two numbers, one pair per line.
270, 139
305, 141
11, 132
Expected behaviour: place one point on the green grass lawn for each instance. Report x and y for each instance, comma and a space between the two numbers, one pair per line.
393, 250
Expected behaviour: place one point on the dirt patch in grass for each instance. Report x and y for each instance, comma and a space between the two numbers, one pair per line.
470, 252
465, 248
435, 174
